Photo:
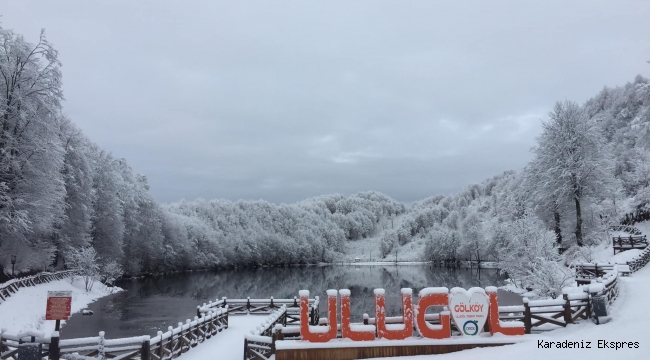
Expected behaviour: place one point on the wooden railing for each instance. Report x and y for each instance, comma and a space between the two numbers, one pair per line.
260, 343
629, 242
585, 272
264, 306
637, 216
12, 286
626, 228
211, 318
165, 345
639, 261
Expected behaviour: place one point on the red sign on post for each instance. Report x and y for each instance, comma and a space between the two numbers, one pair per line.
58, 305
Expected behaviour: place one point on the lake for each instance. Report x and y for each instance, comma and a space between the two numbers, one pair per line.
151, 304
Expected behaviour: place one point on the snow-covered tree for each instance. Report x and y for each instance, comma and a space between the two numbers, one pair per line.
530, 256
87, 262
572, 160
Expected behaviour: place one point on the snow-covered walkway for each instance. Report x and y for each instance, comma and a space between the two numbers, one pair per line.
228, 344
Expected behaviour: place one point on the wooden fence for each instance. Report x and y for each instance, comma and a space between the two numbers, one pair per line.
260, 343
626, 228
586, 272
12, 286
621, 243
211, 318
639, 261
264, 306
635, 217
165, 345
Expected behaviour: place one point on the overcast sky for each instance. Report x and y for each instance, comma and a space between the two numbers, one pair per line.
283, 100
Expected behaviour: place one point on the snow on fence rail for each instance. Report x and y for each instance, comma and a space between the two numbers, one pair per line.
211, 318
260, 343
164, 346
264, 306
626, 228
11, 287
639, 261
628, 243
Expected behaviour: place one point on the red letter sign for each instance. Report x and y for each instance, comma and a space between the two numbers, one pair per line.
394, 331
353, 332
496, 325
318, 333
58, 305
434, 297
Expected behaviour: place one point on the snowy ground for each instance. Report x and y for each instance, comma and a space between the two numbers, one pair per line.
25, 310
229, 343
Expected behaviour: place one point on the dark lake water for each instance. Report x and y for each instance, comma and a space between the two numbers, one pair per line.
153, 303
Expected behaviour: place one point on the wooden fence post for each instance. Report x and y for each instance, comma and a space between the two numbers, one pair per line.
567, 309
54, 350
245, 347
146, 350
277, 335
100, 347
170, 343
181, 338
160, 345
198, 309
2, 347
528, 321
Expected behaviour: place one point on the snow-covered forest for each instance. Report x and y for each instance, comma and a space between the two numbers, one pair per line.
60, 193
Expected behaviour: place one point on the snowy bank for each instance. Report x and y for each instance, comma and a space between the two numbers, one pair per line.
25, 310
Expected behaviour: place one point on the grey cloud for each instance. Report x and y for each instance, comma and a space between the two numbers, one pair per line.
286, 100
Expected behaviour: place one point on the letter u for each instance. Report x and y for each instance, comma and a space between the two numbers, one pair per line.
367, 332
315, 333
401, 331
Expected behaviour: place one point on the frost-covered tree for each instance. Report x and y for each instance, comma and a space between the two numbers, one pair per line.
78, 171
572, 160
31, 155
107, 222
530, 256
87, 262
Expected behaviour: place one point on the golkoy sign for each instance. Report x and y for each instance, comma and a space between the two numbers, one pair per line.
468, 309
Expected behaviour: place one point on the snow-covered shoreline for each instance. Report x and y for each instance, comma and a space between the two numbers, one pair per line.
482, 265
25, 310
